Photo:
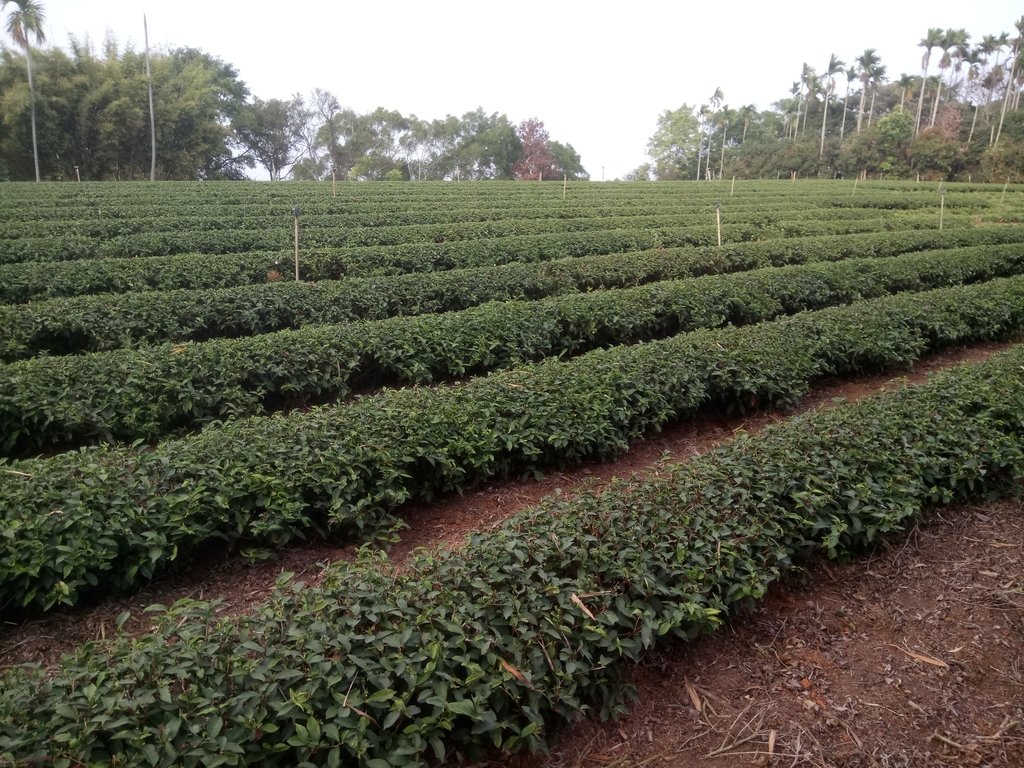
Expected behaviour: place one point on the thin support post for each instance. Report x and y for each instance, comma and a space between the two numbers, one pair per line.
295, 213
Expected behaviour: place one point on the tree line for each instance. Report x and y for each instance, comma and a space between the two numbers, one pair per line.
79, 114
959, 122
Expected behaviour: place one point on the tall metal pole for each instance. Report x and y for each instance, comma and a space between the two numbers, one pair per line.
152, 116
32, 96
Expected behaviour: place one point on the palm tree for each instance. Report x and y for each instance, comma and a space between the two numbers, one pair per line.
25, 22
877, 77
703, 116
866, 64
809, 79
797, 92
747, 111
1011, 81
851, 75
962, 54
726, 117
706, 116
975, 60
994, 45
930, 41
950, 39
835, 66
906, 82
789, 108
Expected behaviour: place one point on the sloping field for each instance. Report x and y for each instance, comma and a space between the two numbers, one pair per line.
170, 391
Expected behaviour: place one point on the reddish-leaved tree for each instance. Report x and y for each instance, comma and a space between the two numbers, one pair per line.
536, 160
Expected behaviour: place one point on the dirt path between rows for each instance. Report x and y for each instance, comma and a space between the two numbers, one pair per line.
443, 523
910, 657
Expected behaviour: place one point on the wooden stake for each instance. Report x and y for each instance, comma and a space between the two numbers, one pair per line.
1000, 197
855, 186
733, 187
565, 184
540, 175
295, 213
942, 206
718, 221
334, 183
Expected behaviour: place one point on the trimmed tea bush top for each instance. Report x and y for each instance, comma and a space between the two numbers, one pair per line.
110, 517
68, 401
528, 625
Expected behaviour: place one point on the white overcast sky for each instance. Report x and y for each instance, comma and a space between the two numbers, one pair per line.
597, 73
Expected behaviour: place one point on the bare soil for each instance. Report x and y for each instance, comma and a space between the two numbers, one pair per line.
910, 656
445, 523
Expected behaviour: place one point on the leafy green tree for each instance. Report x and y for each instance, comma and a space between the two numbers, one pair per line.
675, 145
24, 23
1005, 161
94, 115
200, 97
429, 145
488, 147
567, 162
642, 172
272, 133
383, 134
895, 132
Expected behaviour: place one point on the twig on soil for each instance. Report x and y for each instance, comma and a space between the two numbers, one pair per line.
939, 737
583, 752
753, 724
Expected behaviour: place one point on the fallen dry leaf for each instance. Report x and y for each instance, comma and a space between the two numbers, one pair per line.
920, 656
694, 696
581, 606
516, 673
